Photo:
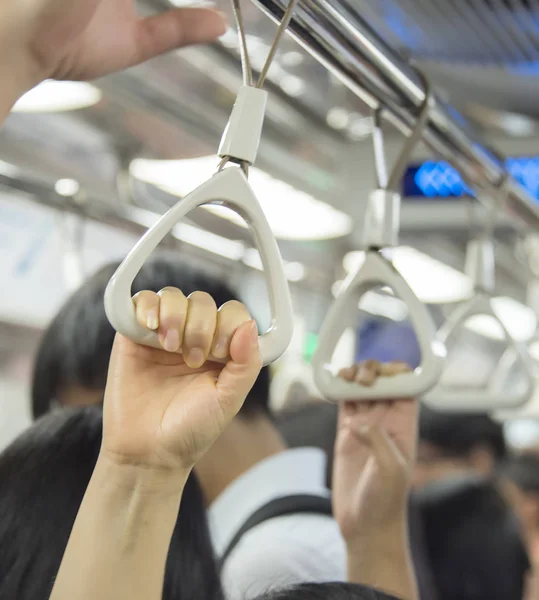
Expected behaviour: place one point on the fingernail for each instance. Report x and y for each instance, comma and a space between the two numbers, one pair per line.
152, 319
363, 429
221, 348
171, 342
195, 359
253, 332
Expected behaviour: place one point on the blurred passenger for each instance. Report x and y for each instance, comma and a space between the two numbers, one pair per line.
473, 540
519, 476
43, 477
457, 443
247, 470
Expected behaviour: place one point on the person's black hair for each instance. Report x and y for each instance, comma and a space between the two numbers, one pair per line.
43, 477
473, 540
456, 435
327, 591
75, 349
523, 470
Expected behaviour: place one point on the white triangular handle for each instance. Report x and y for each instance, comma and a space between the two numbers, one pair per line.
228, 187
477, 400
377, 271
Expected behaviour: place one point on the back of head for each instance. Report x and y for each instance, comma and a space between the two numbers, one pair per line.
523, 471
43, 477
75, 350
473, 540
456, 435
327, 591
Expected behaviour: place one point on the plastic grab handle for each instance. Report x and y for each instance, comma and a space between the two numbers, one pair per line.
231, 188
377, 271
491, 398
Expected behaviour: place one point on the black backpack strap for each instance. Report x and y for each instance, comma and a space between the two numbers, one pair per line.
280, 507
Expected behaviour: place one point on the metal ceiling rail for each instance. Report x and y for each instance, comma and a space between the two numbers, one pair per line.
341, 40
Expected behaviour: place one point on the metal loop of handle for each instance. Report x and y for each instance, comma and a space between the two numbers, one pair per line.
391, 182
230, 188
377, 271
245, 124
493, 397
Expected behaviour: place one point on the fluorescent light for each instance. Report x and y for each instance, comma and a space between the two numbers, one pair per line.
292, 214
431, 280
519, 320
8, 169
58, 96
194, 236
338, 118
252, 259
294, 271
384, 306
292, 85
67, 187
209, 241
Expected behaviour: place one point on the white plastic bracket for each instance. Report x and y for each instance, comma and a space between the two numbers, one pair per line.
242, 134
377, 271
382, 219
229, 187
480, 264
492, 397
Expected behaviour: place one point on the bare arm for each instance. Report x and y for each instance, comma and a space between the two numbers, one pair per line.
160, 416
86, 39
374, 457
118, 546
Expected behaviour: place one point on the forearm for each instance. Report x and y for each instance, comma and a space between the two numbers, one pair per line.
121, 536
383, 561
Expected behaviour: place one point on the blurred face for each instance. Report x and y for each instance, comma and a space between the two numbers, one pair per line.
432, 465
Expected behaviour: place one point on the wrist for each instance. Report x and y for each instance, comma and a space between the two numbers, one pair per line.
382, 544
148, 481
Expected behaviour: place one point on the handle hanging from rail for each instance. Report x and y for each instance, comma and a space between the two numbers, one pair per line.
480, 266
382, 223
228, 187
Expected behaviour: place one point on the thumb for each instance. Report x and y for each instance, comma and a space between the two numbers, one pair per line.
240, 373
176, 28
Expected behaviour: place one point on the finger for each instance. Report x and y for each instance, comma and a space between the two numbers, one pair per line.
382, 446
349, 373
240, 373
172, 317
368, 372
229, 317
393, 368
199, 329
147, 309
176, 28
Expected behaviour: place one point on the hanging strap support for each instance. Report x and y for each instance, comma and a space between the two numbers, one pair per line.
382, 218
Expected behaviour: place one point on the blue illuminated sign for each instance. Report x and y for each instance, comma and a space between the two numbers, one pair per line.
438, 179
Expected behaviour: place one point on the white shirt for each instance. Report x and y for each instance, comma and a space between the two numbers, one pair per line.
285, 550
